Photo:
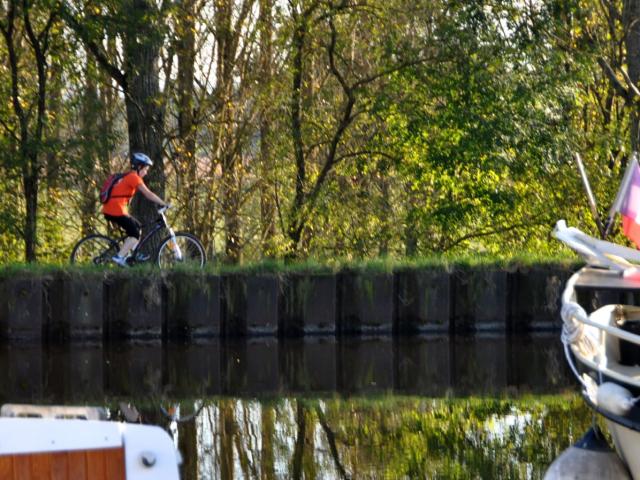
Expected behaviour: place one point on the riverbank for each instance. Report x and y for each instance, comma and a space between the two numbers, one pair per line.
51, 304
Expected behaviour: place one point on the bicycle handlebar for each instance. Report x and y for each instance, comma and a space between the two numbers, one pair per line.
161, 210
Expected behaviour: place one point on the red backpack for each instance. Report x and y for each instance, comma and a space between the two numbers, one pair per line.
107, 186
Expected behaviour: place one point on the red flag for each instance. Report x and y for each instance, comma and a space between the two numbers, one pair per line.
631, 229
628, 202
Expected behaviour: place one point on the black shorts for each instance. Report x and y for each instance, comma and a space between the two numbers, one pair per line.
128, 224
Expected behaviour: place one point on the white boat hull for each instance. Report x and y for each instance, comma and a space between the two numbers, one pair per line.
627, 443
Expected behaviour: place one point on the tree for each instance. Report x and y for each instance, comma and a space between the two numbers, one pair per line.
631, 27
318, 128
139, 24
185, 145
358, 72
474, 147
24, 21
266, 67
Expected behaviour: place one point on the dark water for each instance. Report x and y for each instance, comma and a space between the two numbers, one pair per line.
420, 407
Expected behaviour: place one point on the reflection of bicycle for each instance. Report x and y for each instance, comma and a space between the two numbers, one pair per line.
181, 412
179, 248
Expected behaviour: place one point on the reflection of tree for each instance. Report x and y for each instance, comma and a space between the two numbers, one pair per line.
243, 442
240, 442
299, 450
267, 470
331, 438
188, 446
395, 437
227, 429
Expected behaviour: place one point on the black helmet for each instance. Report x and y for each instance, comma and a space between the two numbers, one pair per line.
140, 159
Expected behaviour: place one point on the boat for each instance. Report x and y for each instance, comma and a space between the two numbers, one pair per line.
80, 443
602, 340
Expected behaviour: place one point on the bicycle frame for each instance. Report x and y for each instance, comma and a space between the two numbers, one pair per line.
159, 224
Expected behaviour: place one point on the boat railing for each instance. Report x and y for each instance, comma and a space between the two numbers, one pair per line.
574, 319
53, 411
575, 311
604, 256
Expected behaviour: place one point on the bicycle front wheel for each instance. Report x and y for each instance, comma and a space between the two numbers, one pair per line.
185, 250
94, 250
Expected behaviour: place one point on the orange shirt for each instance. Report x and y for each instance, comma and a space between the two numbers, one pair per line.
121, 194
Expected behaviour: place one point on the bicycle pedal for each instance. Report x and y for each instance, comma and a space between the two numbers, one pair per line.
119, 261
142, 257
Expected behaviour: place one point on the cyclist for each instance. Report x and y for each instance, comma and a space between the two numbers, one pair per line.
115, 210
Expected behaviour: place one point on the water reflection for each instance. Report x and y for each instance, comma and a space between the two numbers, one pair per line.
386, 437
408, 407
429, 366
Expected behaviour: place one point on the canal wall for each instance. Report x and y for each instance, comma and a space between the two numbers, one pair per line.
133, 304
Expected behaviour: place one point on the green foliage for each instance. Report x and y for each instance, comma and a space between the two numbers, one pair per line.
392, 436
465, 117
457, 438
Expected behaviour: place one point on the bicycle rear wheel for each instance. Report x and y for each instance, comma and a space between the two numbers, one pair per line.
94, 250
187, 250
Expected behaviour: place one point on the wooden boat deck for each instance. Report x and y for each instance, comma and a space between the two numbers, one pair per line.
96, 464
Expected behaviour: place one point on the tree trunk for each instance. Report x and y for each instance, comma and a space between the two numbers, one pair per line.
108, 105
631, 20
411, 224
90, 134
30, 185
295, 221
230, 207
267, 202
229, 160
145, 112
387, 214
186, 142
52, 165
31, 132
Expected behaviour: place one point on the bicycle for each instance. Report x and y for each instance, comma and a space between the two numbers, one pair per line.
181, 412
178, 248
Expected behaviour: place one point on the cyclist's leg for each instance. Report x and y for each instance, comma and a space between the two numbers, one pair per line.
132, 228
